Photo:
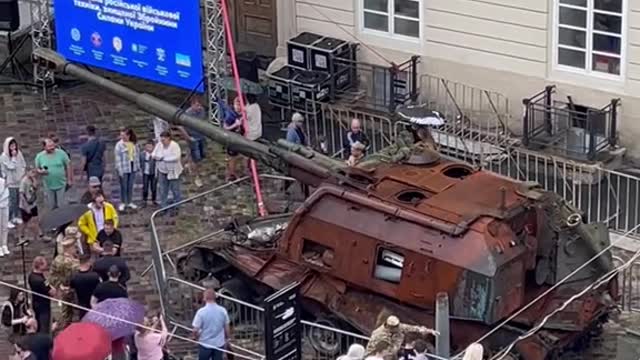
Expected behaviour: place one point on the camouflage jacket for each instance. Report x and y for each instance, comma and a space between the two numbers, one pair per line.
394, 337
62, 269
399, 151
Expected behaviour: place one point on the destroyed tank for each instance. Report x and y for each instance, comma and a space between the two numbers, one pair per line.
387, 236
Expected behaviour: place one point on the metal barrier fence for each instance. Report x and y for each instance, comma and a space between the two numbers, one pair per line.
180, 299
603, 195
320, 342
628, 283
453, 100
332, 123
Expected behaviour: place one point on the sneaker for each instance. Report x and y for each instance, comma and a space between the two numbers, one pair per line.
122, 207
11, 225
5, 250
17, 221
1, 252
132, 206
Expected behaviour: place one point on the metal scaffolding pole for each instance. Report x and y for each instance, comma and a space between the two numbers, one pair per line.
41, 38
216, 57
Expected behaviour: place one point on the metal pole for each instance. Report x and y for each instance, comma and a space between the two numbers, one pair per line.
547, 109
442, 325
525, 122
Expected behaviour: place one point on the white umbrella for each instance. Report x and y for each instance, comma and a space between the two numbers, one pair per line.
420, 115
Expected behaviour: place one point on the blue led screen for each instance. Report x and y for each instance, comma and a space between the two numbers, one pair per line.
151, 39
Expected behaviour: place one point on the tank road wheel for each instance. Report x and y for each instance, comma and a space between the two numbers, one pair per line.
327, 344
186, 266
237, 289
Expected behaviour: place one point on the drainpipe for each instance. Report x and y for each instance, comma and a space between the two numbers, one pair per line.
548, 91
613, 127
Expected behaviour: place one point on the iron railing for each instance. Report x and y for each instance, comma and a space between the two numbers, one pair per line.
180, 299
568, 129
380, 88
320, 341
456, 100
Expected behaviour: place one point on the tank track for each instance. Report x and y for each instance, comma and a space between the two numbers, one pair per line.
583, 341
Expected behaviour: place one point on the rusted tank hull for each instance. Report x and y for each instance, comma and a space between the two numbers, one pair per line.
363, 310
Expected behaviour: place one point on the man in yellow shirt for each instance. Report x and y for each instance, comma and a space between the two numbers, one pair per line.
91, 222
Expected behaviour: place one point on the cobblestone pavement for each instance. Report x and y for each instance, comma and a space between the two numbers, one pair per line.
70, 110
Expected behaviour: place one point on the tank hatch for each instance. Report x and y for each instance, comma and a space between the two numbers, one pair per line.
450, 192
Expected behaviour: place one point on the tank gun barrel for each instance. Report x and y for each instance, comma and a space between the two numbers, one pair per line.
292, 163
317, 157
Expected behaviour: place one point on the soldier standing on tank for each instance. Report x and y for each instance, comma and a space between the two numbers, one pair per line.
393, 332
62, 269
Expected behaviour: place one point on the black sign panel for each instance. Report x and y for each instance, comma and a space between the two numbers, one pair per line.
283, 331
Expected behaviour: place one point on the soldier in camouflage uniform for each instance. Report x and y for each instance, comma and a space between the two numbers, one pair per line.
418, 140
62, 269
393, 332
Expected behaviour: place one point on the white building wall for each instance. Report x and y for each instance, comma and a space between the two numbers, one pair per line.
500, 45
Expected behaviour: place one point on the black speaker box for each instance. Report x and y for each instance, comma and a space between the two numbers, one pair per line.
9, 15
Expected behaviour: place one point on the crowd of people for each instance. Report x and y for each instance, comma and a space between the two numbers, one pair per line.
88, 264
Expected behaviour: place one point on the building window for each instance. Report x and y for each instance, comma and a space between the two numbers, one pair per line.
389, 266
393, 17
589, 35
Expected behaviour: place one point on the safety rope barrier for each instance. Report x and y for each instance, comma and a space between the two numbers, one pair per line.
76, 306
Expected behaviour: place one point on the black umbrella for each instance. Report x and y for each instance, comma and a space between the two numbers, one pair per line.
420, 115
62, 216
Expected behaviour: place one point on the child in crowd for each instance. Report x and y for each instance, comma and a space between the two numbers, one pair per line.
29, 202
357, 153
148, 165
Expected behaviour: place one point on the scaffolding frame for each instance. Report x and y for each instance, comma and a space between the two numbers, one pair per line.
216, 57
41, 38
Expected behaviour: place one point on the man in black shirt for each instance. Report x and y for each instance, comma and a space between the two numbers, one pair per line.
110, 233
355, 135
110, 289
39, 285
84, 282
103, 264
